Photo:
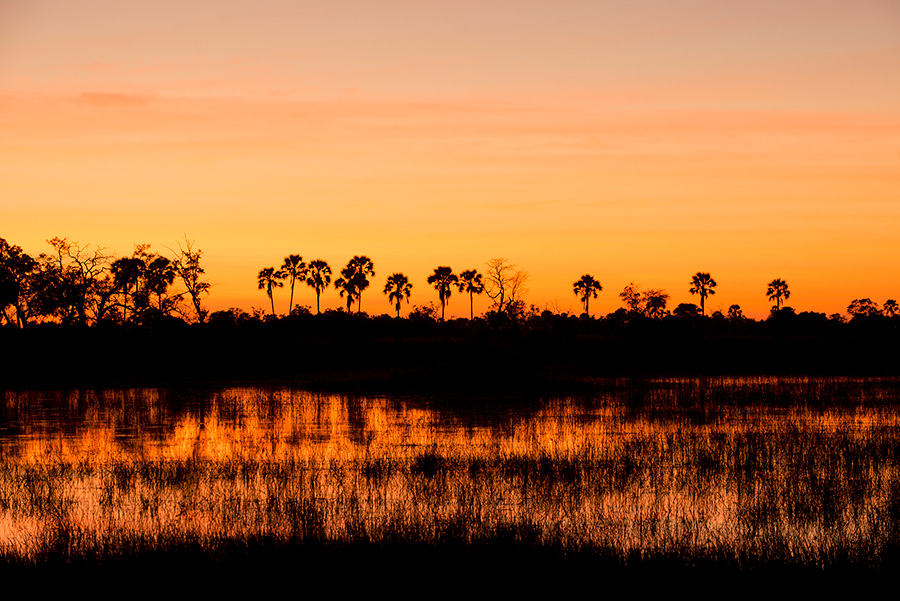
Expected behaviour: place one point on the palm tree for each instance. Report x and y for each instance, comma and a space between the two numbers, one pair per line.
354, 280
470, 281
778, 292
362, 266
345, 286
443, 279
127, 272
160, 274
318, 276
268, 280
294, 269
398, 287
704, 285
586, 288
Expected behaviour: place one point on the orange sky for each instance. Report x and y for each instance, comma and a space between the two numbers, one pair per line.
636, 141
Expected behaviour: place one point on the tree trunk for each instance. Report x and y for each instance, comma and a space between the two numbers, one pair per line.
291, 302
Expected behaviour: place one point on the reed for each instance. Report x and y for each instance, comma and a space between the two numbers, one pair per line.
741, 474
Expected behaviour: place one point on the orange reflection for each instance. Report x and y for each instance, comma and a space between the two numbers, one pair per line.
294, 465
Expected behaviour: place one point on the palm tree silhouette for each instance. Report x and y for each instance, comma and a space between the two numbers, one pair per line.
268, 280
354, 280
398, 287
318, 276
778, 292
443, 279
344, 286
160, 274
294, 269
586, 288
470, 281
127, 272
704, 285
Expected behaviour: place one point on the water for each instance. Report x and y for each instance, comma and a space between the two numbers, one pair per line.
800, 470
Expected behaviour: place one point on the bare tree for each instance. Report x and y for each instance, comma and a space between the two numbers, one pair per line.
78, 270
187, 266
505, 285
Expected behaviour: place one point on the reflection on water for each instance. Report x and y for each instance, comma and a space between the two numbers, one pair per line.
807, 467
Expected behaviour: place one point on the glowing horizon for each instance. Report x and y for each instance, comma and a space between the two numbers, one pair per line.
636, 143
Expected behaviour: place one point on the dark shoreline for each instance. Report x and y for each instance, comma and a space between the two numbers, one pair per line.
353, 353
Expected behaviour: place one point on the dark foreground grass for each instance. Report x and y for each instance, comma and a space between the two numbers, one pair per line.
499, 566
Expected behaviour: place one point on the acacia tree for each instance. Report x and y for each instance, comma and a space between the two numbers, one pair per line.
16, 268
318, 276
890, 308
397, 288
585, 288
72, 283
443, 280
778, 292
704, 285
651, 303
631, 296
470, 281
863, 307
293, 269
268, 279
735, 313
654, 303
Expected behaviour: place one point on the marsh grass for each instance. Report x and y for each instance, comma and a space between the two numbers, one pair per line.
742, 475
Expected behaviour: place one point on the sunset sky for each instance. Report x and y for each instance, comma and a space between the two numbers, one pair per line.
634, 140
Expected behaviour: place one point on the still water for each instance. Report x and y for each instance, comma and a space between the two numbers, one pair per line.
805, 467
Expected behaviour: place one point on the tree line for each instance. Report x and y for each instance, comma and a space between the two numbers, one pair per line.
77, 284
502, 282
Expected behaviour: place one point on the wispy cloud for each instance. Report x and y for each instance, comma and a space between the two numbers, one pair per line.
111, 99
